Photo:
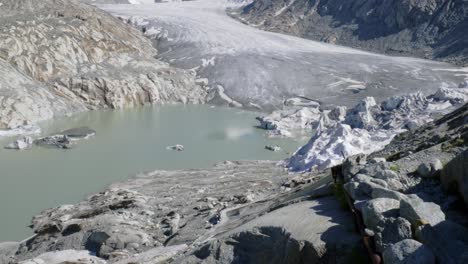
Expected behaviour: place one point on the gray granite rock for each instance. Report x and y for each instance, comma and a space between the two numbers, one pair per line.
408, 251
454, 176
352, 188
392, 231
318, 234
380, 192
386, 174
415, 210
352, 165
362, 178
377, 210
447, 240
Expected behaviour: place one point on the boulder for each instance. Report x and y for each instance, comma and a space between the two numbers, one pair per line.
386, 174
448, 241
391, 231
395, 184
408, 251
454, 176
21, 143
429, 169
380, 192
376, 210
128, 240
352, 165
391, 178
362, 178
373, 168
415, 210
352, 188
361, 187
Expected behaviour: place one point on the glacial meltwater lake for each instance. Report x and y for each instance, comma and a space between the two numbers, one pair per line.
127, 142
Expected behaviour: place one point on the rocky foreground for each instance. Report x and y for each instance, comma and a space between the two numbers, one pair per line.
410, 198
195, 216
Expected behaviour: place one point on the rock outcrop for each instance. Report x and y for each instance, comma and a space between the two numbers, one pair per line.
429, 29
454, 176
59, 57
408, 215
408, 251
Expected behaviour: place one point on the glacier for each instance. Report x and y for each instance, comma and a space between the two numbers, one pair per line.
259, 68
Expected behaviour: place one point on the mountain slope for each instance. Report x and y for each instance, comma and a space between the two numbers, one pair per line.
85, 58
435, 29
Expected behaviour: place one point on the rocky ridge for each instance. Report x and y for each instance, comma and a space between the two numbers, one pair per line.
409, 215
69, 57
434, 29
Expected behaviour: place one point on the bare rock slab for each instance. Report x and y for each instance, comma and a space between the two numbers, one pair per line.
320, 231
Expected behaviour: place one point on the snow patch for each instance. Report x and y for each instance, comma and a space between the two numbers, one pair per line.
209, 62
368, 127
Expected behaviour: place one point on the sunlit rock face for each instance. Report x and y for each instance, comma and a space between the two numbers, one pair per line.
79, 58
